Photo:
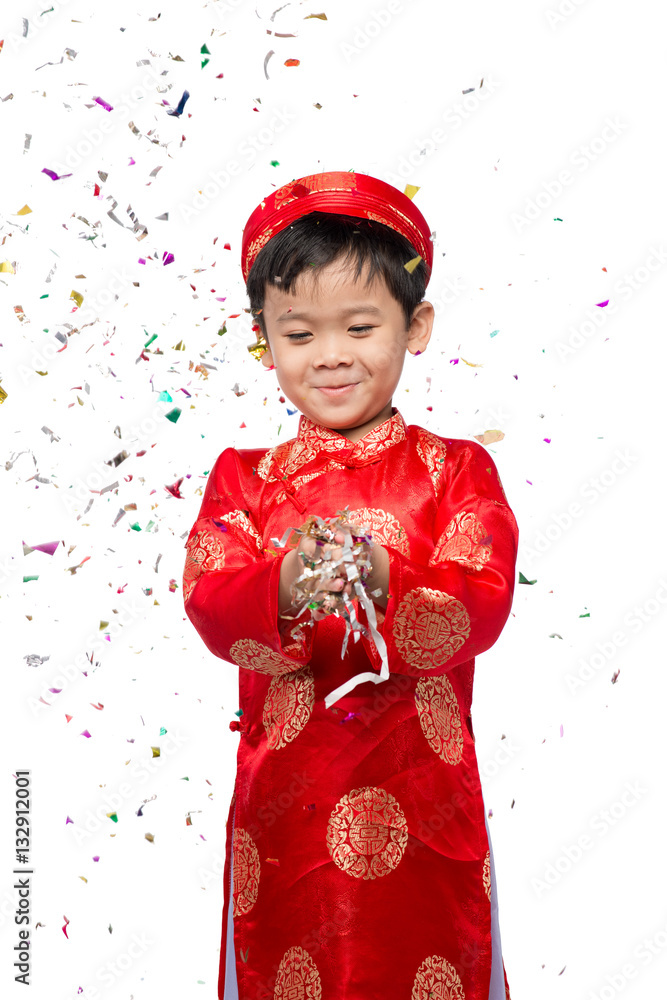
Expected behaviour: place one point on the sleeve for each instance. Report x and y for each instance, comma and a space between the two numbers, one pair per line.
231, 586
447, 612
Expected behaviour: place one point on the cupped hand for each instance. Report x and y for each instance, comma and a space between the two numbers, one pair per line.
315, 552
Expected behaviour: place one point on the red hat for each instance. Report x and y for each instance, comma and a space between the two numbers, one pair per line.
341, 193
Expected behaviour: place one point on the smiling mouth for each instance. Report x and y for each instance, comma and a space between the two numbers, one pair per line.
336, 390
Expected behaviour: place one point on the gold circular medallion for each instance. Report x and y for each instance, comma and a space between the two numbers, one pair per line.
205, 553
253, 655
246, 865
440, 717
367, 833
297, 977
429, 627
288, 706
461, 542
436, 979
384, 527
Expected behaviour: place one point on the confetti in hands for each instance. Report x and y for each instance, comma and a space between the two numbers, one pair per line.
336, 559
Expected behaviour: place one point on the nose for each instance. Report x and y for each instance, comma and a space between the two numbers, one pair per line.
332, 352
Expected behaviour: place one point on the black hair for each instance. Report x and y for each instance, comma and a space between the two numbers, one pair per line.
320, 238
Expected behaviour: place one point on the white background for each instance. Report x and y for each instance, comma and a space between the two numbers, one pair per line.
579, 91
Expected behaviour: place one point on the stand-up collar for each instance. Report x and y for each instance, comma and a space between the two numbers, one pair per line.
315, 438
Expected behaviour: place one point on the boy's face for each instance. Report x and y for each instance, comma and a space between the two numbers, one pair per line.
340, 332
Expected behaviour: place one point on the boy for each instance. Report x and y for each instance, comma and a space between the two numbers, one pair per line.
358, 856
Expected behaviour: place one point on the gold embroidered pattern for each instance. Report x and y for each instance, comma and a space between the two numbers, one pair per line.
436, 979
205, 553
256, 245
367, 833
385, 528
288, 193
332, 181
288, 706
440, 717
300, 480
462, 542
314, 440
245, 857
289, 456
430, 625
384, 436
238, 519
253, 655
486, 874
432, 452
297, 977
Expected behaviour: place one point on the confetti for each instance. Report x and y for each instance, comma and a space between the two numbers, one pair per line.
489, 437
48, 547
178, 111
54, 177
33, 660
175, 490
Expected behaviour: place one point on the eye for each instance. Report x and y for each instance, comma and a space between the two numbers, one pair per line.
360, 329
297, 336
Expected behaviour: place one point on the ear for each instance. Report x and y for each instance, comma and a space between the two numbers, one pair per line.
267, 358
421, 327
